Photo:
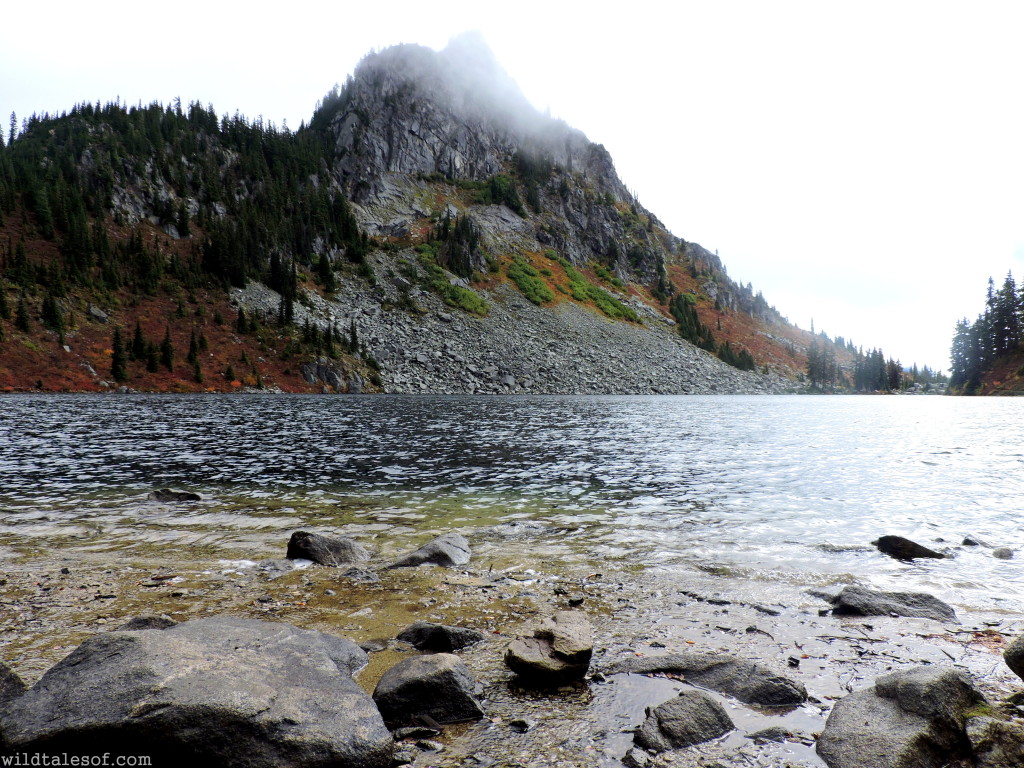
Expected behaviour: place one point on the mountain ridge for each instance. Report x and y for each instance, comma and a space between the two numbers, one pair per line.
418, 205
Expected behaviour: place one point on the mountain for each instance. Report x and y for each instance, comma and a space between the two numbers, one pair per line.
427, 231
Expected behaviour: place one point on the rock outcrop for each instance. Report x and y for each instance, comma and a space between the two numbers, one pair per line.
218, 691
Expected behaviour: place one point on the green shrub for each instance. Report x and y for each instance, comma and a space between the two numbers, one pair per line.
528, 280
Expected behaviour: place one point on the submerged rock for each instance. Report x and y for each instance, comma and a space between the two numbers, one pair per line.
447, 550
909, 719
437, 688
558, 651
747, 681
858, 601
167, 495
425, 636
904, 549
1002, 553
693, 717
147, 621
218, 691
325, 550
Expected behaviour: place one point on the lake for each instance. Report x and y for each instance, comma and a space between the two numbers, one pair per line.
769, 490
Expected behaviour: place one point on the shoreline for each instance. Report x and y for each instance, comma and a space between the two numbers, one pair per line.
635, 610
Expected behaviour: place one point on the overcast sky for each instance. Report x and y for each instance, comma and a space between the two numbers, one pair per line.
862, 164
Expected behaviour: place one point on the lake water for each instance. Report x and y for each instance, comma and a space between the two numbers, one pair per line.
786, 490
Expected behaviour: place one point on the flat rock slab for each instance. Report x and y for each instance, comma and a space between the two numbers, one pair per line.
448, 550
558, 651
693, 717
218, 691
858, 601
425, 636
904, 549
325, 550
436, 688
909, 719
747, 681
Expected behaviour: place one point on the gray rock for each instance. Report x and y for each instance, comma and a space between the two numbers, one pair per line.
97, 314
325, 550
425, 636
147, 621
361, 575
858, 601
1002, 553
970, 540
693, 717
558, 651
747, 681
774, 733
219, 691
909, 719
1013, 655
11, 685
996, 743
448, 550
167, 495
904, 549
438, 686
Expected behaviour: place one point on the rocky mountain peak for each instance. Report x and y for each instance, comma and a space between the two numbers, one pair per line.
412, 110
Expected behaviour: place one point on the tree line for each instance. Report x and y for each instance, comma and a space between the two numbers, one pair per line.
996, 332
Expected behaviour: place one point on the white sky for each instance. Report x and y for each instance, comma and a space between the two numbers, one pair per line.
860, 163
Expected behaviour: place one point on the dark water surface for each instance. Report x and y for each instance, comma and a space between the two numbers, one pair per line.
768, 489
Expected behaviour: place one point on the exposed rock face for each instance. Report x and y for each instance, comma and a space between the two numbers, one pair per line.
691, 718
325, 550
857, 601
218, 691
447, 550
336, 377
747, 681
996, 743
904, 549
425, 636
559, 650
147, 622
1013, 655
438, 686
909, 719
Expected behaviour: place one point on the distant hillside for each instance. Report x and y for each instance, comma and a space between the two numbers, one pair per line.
428, 230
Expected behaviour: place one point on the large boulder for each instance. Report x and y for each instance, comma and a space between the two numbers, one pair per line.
558, 651
996, 743
747, 681
1013, 655
693, 717
909, 719
448, 550
423, 690
218, 691
904, 549
10, 684
325, 550
858, 601
425, 636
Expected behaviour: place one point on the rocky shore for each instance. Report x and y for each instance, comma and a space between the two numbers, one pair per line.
286, 661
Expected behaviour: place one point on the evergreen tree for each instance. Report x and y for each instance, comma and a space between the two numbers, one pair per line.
5, 308
138, 348
21, 319
167, 350
119, 358
241, 325
197, 372
152, 358
193, 348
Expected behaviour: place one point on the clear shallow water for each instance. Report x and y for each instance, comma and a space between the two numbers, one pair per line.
770, 489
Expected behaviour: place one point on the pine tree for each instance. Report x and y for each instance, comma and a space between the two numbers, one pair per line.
138, 348
167, 350
21, 319
5, 308
241, 325
193, 348
152, 358
118, 360
197, 372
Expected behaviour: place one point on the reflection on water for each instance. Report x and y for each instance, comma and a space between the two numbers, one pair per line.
780, 488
